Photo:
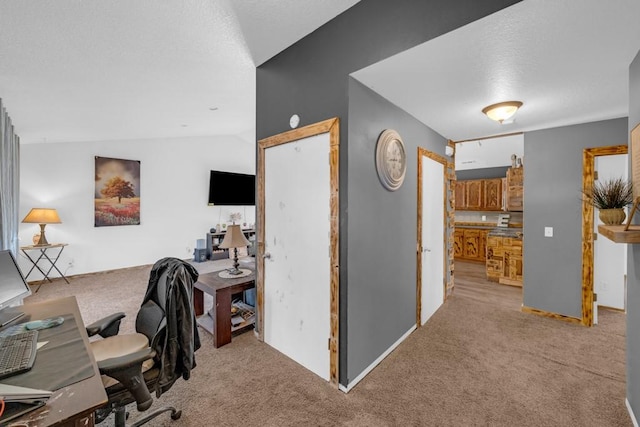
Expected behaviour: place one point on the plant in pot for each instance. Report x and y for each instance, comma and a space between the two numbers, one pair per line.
610, 196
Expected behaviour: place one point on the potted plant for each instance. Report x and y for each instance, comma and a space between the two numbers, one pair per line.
610, 196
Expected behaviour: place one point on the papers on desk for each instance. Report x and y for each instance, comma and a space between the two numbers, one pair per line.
13, 393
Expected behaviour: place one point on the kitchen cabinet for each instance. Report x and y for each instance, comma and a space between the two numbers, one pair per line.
512, 268
515, 190
492, 195
471, 248
504, 260
474, 194
479, 194
470, 244
461, 196
458, 243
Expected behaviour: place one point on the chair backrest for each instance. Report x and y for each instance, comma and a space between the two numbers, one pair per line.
167, 318
151, 320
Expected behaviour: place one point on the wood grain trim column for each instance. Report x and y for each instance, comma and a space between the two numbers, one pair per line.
588, 164
422, 152
332, 126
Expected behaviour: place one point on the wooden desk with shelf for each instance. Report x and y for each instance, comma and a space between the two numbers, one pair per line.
222, 291
70, 405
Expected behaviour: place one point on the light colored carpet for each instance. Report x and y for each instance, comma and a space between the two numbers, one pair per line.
478, 361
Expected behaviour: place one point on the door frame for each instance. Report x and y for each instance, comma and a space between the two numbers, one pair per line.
588, 174
331, 126
447, 166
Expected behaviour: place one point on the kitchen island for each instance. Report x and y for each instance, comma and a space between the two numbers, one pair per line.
504, 256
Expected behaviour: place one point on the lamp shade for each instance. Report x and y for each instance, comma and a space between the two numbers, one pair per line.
234, 238
502, 110
42, 216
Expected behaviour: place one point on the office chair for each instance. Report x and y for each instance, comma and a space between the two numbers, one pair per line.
133, 364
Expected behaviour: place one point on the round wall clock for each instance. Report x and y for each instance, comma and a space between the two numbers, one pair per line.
391, 159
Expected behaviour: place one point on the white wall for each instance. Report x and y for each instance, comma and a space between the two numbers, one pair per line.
174, 175
489, 153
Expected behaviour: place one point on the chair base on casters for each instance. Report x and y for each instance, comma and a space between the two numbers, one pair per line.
121, 416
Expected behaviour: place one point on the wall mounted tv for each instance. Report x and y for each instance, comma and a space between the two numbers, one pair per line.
232, 189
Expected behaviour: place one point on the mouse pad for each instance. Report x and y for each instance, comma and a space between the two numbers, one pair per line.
62, 361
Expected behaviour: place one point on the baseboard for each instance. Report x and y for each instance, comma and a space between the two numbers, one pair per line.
633, 417
551, 315
376, 362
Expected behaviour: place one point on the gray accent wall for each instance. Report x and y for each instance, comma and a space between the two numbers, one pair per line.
552, 198
633, 266
311, 79
382, 229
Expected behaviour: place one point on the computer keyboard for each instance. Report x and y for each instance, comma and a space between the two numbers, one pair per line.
18, 353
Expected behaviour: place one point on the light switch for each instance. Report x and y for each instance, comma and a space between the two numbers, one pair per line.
548, 232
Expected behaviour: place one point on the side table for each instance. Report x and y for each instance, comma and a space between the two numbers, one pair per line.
42, 255
221, 290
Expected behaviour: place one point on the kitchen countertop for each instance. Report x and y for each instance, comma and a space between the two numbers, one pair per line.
506, 232
485, 225
514, 230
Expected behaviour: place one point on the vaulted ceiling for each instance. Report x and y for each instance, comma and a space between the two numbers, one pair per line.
87, 71
111, 70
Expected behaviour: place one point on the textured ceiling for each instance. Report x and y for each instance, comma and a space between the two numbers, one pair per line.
75, 70
568, 61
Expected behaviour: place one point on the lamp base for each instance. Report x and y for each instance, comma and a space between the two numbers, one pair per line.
234, 271
43, 238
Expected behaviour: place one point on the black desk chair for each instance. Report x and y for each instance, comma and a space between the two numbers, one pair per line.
133, 364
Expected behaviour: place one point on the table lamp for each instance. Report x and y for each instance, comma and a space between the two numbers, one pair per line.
234, 238
42, 216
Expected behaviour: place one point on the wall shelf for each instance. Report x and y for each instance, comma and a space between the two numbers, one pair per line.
618, 234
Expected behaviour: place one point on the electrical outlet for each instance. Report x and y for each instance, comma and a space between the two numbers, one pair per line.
548, 232
484, 217
188, 250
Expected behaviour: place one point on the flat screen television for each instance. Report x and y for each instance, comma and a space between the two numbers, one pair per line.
232, 189
13, 287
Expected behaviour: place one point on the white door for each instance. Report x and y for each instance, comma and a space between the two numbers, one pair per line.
297, 264
433, 254
609, 258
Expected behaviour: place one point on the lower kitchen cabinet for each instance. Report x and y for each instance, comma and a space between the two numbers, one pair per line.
504, 260
470, 244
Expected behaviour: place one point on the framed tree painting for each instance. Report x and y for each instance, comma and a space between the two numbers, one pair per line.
117, 192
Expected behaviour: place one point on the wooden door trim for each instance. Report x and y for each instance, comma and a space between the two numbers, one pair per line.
331, 126
422, 152
588, 164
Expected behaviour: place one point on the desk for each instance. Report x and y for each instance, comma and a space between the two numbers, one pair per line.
43, 255
72, 405
221, 290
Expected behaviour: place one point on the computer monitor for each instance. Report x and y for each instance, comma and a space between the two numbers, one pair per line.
13, 287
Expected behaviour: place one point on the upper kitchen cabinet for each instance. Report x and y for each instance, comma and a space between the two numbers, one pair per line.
515, 190
461, 195
479, 195
474, 194
492, 197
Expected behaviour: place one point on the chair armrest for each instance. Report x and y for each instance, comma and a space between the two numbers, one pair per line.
106, 327
127, 369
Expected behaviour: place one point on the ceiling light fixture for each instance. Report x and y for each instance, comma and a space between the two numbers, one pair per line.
502, 110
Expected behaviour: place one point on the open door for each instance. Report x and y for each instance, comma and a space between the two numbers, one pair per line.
432, 253
609, 258
297, 259
589, 303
